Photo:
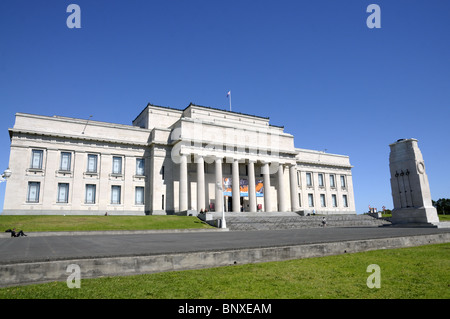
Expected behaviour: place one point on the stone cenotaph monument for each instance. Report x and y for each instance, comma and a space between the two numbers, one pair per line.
409, 184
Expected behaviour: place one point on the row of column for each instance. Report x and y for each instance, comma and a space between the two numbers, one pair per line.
219, 206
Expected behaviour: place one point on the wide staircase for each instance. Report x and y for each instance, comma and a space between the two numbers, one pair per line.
276, 220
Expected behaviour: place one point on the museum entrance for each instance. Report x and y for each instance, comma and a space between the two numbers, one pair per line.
229, 203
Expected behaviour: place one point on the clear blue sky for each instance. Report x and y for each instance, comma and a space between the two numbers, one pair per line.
312, 66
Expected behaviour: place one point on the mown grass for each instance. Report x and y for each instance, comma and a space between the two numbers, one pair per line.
444, 218
42, 223
406, 273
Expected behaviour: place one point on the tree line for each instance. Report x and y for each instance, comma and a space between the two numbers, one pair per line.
442, 205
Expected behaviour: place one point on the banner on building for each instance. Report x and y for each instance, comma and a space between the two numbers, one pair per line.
243, 187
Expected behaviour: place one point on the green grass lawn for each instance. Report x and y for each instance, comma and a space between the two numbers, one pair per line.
442, 218
35, 223
406, 273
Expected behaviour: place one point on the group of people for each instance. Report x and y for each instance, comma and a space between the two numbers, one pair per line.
14, 233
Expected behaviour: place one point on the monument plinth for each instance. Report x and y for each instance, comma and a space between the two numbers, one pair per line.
409, 184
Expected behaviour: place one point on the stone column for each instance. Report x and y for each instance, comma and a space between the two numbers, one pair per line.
293, 187
266, 181
252, 186
183, 204
219, 185
200, 184
281, 189
235, 187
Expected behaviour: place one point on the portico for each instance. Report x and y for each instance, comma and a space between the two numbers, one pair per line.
285, 186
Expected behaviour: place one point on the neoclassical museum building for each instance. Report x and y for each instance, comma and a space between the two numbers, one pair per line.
170, 161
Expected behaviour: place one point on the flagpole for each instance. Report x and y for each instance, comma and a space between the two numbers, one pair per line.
229, 96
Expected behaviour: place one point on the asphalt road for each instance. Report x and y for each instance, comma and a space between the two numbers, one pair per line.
47, 248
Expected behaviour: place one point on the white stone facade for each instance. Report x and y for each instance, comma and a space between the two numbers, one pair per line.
169, 161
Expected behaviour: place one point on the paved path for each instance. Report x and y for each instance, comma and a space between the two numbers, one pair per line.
46, 248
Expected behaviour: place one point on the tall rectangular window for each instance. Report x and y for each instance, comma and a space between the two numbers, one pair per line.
65, 161
342, 181
334, 200
344, 200
115, 194
332, 181
63, 193
36, 159
139, 199
321, 182
90, 193
140, 167
299, 200
117, 165
322, 200
311, 200
33, 192
308, 179
92, 163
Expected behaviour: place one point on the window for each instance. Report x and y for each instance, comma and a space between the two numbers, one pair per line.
332, 181
117, 165
298, 178
309, 179
92, 163
65, 161
334, 200
36, 159
342, 181
63, 193
140, 167
162, 172
90, 193
115, 194
320, 177
310, 200
299, 200
344, 200
322, 200
33, 192
139, 200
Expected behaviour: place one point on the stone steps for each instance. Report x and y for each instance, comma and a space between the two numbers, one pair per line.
294, 221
